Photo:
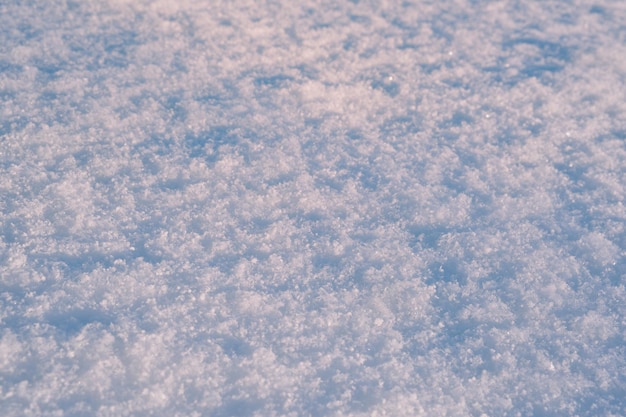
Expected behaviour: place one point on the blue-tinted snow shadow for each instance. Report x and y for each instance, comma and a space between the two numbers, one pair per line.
234, 346
266, 86
603, 402
222, 95
15, 122
242, 407
364, 393
403, 126
206, 143
174, 105
112, 49
577, 217
73, 320
385, 79
457, 119
66, 319
541, 59
272, 81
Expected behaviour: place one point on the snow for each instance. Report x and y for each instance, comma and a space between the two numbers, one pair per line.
314, 208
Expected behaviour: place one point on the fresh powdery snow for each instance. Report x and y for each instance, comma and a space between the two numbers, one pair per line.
312, 208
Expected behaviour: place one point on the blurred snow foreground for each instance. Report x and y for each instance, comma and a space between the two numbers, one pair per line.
312, 208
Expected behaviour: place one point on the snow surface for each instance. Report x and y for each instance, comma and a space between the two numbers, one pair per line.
312, 208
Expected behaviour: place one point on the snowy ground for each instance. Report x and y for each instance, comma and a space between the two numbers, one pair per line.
312, 208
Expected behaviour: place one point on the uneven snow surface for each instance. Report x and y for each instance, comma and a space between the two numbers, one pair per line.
312, 208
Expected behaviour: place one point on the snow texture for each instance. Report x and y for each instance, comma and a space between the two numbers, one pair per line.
312, 208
